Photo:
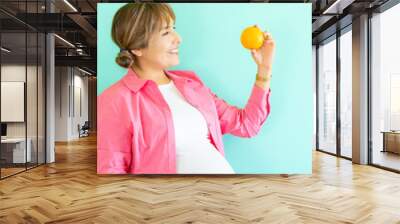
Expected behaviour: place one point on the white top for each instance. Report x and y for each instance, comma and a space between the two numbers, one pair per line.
194, 151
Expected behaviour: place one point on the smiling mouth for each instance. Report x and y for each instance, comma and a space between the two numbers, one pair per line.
175, 51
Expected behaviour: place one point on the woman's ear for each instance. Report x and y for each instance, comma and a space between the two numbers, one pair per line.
137, 52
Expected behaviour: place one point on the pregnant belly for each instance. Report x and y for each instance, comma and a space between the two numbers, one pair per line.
201, 159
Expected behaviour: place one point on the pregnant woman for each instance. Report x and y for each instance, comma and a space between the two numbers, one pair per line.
159, 121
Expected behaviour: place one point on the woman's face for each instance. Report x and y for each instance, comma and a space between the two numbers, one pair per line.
162, 50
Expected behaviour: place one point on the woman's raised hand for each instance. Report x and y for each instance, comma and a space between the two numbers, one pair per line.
263, 56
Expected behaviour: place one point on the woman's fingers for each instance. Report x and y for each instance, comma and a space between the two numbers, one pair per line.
267, 35
254, 52
268, 38
255, 56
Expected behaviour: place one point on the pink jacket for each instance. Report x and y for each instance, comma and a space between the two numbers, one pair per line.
135, 129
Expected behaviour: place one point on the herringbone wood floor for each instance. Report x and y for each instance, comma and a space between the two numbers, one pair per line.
70, 191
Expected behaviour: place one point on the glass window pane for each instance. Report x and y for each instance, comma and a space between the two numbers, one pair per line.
386, 89
41, 99
31, 97
327, 97
21, 65
14, 150
346, 94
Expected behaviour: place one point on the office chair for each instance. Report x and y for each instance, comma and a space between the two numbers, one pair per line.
84, 130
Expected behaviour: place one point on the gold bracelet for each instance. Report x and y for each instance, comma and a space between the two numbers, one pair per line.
263, 79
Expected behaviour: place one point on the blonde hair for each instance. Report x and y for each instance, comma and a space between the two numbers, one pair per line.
133, 25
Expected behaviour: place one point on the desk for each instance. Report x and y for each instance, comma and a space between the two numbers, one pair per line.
391, 141
15, 148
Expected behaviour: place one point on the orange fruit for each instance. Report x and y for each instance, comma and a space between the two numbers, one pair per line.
252, 37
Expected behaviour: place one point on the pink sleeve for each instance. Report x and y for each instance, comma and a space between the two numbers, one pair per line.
114, 153
244, 122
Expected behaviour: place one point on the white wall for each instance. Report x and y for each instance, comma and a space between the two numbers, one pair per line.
61, 103
71, 93
34, 125
14, 72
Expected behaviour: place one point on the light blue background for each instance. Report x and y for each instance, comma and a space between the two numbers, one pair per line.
211, 47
